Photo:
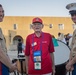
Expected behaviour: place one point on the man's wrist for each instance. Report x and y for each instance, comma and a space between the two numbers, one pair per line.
72, 62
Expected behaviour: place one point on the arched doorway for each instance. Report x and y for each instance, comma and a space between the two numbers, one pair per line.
15, 39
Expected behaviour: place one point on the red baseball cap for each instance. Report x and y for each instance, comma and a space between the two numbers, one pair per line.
37, 20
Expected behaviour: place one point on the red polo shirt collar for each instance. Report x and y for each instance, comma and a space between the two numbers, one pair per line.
36, 36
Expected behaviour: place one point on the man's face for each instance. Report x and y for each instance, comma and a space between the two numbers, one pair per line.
1, 14
37, 27
73, 17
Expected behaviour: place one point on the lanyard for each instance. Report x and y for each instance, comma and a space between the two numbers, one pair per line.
40, 42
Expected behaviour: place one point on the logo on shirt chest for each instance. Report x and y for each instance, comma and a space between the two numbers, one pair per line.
44, 41
34, 44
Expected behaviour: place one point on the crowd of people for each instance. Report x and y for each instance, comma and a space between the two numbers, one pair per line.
65, 38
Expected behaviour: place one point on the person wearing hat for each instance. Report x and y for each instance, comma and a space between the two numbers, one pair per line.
72, 59
5, 62
39, 51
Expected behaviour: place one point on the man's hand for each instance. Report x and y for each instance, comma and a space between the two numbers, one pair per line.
13, 67
69, 66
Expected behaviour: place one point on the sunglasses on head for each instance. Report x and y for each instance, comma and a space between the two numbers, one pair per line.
73, 12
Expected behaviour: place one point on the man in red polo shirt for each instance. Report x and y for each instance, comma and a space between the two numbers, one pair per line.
39, 51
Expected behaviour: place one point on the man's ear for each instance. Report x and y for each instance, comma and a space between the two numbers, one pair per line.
31, 26
42, 25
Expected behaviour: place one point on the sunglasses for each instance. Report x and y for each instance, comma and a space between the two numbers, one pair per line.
73, 12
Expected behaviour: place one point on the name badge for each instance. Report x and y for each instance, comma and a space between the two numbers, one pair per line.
37, 56
37, 59
37, 66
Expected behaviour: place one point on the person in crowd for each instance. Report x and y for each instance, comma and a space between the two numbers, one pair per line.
5, 62
67, 39
39, 51
19, 46
62, 38
53, 36
59, 35
72, 59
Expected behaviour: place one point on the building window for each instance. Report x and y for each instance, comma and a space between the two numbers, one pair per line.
15, 26
61, 26
74, 26
51, 25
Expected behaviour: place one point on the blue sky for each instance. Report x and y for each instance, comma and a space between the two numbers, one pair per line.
36, 7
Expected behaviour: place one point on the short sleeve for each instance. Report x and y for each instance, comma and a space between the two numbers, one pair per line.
27, 49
